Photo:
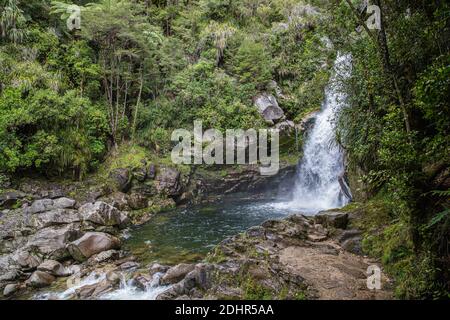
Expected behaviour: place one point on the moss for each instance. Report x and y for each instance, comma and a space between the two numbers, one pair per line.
255, 291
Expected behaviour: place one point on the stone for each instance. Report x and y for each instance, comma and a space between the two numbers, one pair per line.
103, 256
176, 273
268, 107
100, 213
157, 268
338, 220
53, 267
121, 179
137, 201
285, 127
168, 181
40, 279
92, 243
142, 281
11, 198
26, 259
113, 277
118, 200
129, 265
55, 217
51, 242
10, 289
50, 204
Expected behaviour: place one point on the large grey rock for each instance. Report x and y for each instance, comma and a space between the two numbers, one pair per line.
40, 279
92, 243
121, 179
51, 242
117, 199
176, 273
49, 204
168, 181
268, 107
100, 213
53, 267
55, 217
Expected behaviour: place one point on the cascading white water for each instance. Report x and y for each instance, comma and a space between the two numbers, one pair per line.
317, 185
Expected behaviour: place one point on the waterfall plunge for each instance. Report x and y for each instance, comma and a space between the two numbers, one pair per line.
317, 185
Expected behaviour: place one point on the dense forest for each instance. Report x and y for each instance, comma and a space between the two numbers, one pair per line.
132, 71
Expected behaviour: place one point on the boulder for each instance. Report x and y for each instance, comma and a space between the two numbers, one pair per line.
137, 201
268, 107
40, 279
129, 265
92, 243
176, 273
121, 179
11, 198
142, 281
100, 213
338, 220
168, 181
10, 289
26, 259
51, 242
53, 267
157, 268
117, 199
50, 204
55, 217
285, 127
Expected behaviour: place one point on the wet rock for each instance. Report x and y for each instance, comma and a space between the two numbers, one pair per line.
52, 267
157, 268
142, 281
168, 181
338, 220
129, 265
176, 273
121, 179
92, 243
113, 277
40, 279
100, 213
268, 107
104, 256
10, 289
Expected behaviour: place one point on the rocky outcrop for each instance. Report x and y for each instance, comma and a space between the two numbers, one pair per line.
168, 181
11, 198
279, 260
42, 241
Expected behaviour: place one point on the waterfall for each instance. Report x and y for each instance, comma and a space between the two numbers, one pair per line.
319, 182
